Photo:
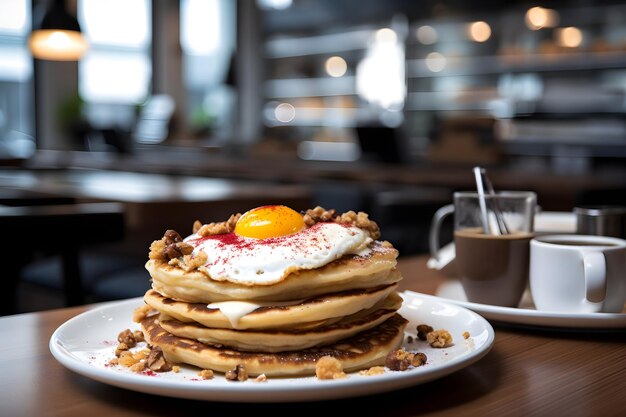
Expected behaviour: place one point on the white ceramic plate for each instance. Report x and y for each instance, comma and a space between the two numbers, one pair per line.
86, 342
526, 314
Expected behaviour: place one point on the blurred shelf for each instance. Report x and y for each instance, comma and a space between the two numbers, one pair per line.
317, 45
333, 117
498, 64
310, 87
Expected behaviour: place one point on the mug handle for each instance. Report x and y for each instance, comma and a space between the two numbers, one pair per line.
435, 228
595, 276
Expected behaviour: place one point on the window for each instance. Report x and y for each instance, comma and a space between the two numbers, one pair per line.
117, 68
16, 81
208, 38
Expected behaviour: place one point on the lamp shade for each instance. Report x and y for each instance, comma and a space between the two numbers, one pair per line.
58, 37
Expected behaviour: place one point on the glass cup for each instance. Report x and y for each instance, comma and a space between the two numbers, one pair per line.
492, 243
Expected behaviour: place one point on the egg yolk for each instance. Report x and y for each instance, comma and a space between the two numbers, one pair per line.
269, 221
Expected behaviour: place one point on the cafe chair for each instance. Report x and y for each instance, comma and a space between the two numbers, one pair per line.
65, 230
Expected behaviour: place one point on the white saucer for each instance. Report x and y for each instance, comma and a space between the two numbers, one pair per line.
526, 314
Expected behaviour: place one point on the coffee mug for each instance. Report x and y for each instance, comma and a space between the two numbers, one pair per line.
578, 273
492, 265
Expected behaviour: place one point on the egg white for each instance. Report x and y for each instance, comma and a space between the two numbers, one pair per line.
250, 261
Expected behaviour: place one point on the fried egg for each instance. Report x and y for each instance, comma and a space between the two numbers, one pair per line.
270, 242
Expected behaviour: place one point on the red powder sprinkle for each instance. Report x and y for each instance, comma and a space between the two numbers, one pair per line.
150, 373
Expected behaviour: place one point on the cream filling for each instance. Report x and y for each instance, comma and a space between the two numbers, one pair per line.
235, 310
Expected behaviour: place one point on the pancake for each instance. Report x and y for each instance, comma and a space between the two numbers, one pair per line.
285, 339
349, 272
366, 349
308, 313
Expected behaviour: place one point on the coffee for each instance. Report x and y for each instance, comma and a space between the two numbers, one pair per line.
493, 267
578, 243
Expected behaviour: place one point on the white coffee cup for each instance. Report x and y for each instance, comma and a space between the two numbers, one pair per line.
578, 273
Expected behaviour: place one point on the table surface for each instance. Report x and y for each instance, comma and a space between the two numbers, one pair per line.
139, 188
528, 372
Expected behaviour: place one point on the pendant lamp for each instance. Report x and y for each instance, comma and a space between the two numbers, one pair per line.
58, 37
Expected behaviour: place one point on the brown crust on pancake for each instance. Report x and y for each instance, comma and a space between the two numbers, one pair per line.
277, 340
363, 350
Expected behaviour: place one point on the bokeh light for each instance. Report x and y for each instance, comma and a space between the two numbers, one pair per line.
539, 17
285, 112
479, 31
336, 66
426, 35
436, 62
569, 37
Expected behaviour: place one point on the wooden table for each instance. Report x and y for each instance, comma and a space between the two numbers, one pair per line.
528, 372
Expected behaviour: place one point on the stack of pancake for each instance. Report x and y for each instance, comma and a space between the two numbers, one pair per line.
275, 303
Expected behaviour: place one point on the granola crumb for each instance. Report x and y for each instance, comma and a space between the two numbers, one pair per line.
466, 335
175, 369
374, 370
206, 374
261, 378
126, 359
328, 367
439, 338
409, 339
138, 367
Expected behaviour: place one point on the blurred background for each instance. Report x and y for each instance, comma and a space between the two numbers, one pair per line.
177, 110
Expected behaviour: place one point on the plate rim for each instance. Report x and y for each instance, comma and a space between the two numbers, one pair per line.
257, 392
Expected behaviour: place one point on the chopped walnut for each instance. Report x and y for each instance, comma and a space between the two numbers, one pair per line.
122, 347
360, 220
161, 249
374, 370
128, 338
196, 226
466, 335
328, 367
423, 330
138, 335
141, 313
190, 262
239, 373
206, 374
156, 361
318, 214
218, 228
178, 249
409, 339
260, 378
401, 360
439, 338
